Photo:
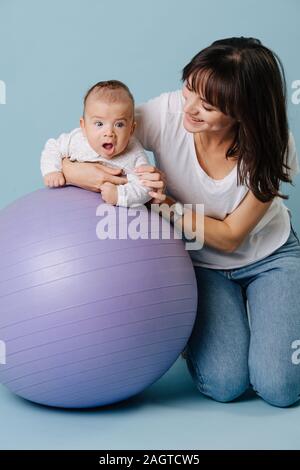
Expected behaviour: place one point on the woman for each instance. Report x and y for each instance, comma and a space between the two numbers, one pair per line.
224, 142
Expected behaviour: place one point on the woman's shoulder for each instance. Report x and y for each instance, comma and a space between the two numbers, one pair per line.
155, 117
171, 101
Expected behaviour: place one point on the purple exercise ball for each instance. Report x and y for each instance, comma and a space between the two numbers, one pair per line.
86, 321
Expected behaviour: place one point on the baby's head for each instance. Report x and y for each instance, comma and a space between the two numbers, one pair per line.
108, 118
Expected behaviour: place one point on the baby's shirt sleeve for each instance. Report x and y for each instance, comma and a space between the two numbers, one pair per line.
133, 193
53, 153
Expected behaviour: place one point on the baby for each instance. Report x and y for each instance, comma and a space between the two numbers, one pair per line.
105, 134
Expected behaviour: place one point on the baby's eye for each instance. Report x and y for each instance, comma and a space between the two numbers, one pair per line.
98, 123
120, 124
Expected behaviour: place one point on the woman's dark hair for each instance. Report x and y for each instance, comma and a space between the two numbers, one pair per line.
246, 81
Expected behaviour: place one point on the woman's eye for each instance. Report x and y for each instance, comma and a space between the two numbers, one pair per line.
207, 108
99, 123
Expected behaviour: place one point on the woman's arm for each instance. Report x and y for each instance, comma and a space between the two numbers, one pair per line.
224, 235
245, 218
228, 234
90, 175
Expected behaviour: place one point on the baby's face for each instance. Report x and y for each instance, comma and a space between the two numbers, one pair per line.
108, 126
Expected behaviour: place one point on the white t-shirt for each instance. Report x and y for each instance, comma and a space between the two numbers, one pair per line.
161, 131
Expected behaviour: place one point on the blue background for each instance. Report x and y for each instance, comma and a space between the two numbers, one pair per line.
51, 53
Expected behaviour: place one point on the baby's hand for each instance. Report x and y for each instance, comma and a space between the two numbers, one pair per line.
109, 193
54, 179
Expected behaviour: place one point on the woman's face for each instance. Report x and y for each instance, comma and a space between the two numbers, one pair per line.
198, 115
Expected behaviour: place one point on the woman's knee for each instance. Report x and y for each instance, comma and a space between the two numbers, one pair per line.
280, 389
226, 389
223, 386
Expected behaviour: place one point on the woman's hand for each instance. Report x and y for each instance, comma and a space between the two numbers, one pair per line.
155, 179
91, 175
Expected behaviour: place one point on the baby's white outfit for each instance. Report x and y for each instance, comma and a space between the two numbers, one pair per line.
74, 145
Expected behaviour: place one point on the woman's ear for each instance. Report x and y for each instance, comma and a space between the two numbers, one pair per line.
82, 125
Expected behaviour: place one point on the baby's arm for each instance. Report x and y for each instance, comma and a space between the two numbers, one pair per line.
133, 193
51, 160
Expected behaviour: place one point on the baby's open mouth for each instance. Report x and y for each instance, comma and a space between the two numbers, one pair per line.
108, 146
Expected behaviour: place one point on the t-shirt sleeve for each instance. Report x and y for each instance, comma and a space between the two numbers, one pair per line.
292, 157
150, 118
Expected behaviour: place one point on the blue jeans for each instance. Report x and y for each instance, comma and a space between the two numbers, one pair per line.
231, 346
